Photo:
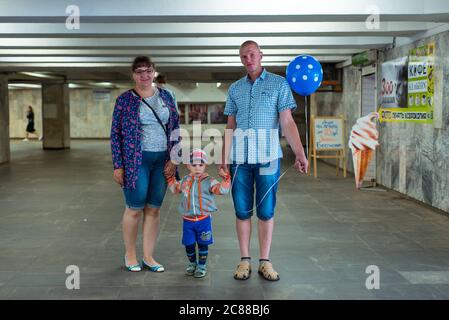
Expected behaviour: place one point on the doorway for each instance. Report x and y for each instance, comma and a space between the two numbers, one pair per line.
368, 105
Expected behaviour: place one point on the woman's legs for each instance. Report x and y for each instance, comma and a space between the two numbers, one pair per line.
151, 221
27, 135
155, 195
37, 135
130, 226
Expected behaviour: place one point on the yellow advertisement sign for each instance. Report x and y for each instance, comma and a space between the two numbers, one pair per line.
420, 115
420, 89
420, 77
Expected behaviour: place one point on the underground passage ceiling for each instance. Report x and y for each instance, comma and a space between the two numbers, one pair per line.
198, 40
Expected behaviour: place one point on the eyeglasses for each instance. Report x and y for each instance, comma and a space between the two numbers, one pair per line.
143, 71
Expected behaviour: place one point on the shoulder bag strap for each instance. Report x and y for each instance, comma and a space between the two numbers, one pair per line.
154, 112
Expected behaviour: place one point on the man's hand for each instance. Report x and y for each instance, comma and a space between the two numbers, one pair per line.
118, 176
290, 130
170, 169
223, 170
301, 163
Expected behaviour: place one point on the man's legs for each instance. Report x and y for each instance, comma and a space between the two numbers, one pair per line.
266, 187
265, 233
243, 228
242, 195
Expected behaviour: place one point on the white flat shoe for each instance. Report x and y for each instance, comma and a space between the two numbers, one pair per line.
132, 268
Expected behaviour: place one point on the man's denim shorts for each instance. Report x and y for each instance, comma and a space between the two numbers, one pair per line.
150, 185
262, 177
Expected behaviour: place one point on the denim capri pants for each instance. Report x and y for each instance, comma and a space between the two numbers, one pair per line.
150, 185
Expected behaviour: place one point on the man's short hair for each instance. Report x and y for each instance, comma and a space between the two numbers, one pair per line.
161, 78
248, 43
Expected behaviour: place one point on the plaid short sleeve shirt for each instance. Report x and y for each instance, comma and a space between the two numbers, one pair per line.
256, 107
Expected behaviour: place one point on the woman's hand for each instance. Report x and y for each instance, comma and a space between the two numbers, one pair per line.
118, 176
170, 169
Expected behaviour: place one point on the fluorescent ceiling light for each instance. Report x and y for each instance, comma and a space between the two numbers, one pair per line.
23, 86
40, 75
76, 86
101, 84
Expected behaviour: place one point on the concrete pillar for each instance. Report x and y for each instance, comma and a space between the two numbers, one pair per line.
4, 120
55, 115
187, 108
313, 105
209, 114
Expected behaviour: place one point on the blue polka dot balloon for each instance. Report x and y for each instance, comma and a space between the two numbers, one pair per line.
304, 74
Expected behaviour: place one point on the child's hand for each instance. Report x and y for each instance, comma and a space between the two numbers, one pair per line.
168, 176
169, 169
222, 173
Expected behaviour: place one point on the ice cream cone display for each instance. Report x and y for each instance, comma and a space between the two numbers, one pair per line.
362, 142
361, 159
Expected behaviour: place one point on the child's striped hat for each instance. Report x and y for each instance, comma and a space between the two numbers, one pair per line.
198, 154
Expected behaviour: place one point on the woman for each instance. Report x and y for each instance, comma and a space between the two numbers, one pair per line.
140, 154
30, 125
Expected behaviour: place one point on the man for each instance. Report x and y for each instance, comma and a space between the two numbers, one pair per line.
256, 105
161, 82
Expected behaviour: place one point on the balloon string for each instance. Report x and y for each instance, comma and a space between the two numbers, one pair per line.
307, 132
280, 177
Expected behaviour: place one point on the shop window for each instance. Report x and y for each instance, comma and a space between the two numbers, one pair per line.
217, 113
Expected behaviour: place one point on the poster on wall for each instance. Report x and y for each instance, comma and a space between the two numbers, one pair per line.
394, 83
420, 89
101, 94
217, 113
420, 77
198, 112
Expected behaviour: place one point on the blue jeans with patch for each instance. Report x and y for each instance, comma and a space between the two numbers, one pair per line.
150, 185
264, 178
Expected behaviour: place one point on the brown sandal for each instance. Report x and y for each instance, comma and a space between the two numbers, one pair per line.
267, 271
243, 270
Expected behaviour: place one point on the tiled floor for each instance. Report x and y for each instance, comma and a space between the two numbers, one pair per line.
61, 208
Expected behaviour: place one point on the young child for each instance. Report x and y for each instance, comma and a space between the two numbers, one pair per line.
198, 202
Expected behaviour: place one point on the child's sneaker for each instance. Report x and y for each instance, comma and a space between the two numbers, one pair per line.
190, 270
200, 271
